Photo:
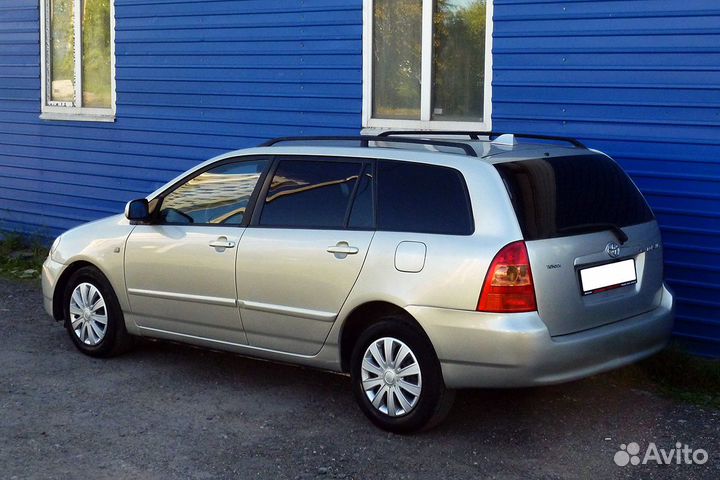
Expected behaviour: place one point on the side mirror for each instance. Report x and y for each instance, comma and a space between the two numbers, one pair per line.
137, 210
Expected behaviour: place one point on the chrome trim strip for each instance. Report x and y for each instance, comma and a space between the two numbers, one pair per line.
222, 342
291, 311
184, 297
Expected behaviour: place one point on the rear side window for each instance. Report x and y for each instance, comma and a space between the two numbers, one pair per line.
561, 196
310, 194
414, 197
361, 213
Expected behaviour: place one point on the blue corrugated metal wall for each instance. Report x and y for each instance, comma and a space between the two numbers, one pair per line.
639, 80
194, 79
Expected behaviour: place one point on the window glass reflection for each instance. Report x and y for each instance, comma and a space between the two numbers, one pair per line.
96, 53
458, 60
218, 196
397, 45
62, 51
307, 193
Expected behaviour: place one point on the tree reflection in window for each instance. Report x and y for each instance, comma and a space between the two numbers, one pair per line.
457, 55
308, 193
458, 60
218, 196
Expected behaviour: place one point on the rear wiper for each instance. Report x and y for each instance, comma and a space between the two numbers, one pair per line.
597, 227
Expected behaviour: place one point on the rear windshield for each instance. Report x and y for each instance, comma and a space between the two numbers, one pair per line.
561, 196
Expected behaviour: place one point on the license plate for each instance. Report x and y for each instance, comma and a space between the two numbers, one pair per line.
608, 276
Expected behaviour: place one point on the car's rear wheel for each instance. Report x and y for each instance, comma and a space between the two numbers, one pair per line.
397, 379
93, 317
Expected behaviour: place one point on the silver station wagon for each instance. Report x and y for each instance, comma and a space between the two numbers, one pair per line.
418, 263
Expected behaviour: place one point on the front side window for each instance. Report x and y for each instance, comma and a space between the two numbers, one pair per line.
78, 49
314, 194
218, 196
429, 64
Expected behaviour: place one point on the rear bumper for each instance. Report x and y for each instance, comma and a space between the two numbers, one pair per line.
516, 350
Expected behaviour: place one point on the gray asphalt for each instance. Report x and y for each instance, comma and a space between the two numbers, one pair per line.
166, 411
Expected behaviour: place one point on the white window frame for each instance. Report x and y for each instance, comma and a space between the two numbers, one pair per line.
425, 122
54, 110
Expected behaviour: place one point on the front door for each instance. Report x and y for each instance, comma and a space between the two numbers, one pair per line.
180, 270
299, 260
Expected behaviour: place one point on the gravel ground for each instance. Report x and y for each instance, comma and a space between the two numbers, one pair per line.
170, 411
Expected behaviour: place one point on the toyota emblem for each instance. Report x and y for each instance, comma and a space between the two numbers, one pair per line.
613, 249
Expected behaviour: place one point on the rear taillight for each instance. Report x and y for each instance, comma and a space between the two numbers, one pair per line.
508, 285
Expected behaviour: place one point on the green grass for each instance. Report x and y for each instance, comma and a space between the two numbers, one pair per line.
20, 254
675, 374
684, 377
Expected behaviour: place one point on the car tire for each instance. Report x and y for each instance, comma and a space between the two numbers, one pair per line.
93, 317
389, 393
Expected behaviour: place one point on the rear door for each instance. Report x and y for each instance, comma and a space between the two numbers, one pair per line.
593, 243
300, 257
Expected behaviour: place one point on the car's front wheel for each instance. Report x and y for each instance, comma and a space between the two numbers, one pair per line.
397, 379
93, 316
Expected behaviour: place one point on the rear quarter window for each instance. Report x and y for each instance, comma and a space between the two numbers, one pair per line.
414, 197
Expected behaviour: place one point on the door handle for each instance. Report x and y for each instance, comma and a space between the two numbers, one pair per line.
222, 242
342, 248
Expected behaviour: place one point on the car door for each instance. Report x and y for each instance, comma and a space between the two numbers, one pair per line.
180, 269
300, 257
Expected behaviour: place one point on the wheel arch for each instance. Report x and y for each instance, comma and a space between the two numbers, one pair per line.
362, 317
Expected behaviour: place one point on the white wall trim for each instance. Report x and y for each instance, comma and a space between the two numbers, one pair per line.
426, 79
82, 116
52, 110
44, 61
487, 107
426, 61
367, 61
77, 29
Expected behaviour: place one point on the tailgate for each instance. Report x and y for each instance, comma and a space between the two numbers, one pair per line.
593, 243
563, 303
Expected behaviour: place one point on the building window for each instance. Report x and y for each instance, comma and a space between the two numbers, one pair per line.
78, 60
427, 64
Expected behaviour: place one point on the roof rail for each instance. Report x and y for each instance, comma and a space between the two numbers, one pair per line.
575, 143
472, 135
491, 135
366, 139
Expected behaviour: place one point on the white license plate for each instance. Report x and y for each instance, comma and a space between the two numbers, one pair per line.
608, 276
